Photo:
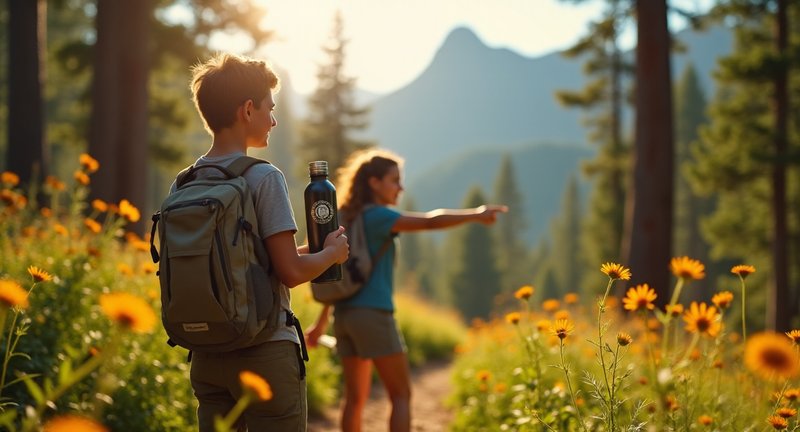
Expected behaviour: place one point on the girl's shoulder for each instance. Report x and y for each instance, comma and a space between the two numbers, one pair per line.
378, 211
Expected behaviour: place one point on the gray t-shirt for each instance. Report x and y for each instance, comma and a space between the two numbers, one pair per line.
274, 213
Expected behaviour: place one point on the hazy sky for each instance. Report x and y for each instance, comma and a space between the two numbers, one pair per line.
392, 41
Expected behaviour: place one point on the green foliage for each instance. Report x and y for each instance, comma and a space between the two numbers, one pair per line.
473, 279
516, 374
326, 134
603, 99
735, 158
509, 231
566, 258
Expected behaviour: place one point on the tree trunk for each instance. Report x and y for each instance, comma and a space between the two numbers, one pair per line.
103, 125
118, 128
647, 243
778, 309
131, 136
27, 151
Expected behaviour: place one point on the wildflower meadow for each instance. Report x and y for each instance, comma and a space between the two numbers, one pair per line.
81, 341
613, 365
82, 347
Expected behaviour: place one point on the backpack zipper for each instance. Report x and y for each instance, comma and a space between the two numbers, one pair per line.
222, 258
202, 202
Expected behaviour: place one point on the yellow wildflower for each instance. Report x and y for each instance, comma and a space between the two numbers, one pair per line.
513, 317
743, 270
778, 422
624, 339
702, 319
92, 225
73, 423
674, 310
39, 275
771, 356
571, 298
128, 211
551, 305
705, 420
9, 179
60, 230
562, 328
81, 177
255, 385
524, 293
640, 297
128, 311
616, 271
54, 183
687, 268
483, 375
100, 205
722, 299
794, 335
786, 412
89, 163
12, 295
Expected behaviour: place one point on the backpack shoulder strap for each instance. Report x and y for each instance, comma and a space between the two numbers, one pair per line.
386, 243
243, 163
182, 176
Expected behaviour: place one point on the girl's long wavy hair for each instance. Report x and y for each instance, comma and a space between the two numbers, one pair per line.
352, 184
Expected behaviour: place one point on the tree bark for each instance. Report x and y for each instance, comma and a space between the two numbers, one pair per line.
27, 151
648, 212
103, 123
118, 128
778, 303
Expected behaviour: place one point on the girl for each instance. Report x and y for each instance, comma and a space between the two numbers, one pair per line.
364, 324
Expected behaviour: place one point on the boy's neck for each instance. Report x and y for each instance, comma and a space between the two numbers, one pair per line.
226, 142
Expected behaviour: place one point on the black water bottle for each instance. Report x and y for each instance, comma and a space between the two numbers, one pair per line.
321, 218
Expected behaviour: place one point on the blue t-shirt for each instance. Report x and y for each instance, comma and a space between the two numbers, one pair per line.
377, 292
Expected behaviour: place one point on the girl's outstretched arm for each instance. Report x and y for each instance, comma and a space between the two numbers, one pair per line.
445, 218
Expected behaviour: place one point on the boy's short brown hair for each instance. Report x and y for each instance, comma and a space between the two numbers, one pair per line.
224, 82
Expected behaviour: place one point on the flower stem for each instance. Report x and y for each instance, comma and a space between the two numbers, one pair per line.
744, 321
9, 349
676, 294
569, 385
600, 312
225, 424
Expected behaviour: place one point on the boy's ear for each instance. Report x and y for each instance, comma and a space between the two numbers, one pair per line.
247, 109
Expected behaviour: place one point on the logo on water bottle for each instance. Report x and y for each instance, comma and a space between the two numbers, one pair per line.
322, 212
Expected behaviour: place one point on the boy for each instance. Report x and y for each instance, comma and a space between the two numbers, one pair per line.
233, 95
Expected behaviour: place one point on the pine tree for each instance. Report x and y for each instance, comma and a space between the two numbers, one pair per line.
509, 230
690, 105
474, 280
26, 152
566, 260
647, 237
744, 155
690, 209
603, 98
333, 113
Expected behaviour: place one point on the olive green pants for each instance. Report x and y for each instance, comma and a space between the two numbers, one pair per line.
215, 380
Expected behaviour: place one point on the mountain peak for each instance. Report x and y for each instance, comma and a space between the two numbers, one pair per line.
461, 37
460, 45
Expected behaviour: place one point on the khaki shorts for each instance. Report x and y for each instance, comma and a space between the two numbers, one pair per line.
366, 333
215, 380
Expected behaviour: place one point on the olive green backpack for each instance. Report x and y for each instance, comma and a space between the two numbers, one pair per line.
216, 293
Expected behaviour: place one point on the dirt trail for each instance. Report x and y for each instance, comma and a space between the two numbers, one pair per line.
430, 386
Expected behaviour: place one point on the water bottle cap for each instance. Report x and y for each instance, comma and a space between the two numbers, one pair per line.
318, 168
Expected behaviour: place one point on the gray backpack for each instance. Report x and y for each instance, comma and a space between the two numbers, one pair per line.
216, 294
357, 270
